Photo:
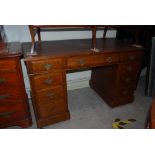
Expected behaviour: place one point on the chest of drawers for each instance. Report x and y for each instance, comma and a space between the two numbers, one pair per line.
14, 108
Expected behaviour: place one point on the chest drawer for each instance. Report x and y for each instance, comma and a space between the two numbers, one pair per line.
7, 65
104, 59
79, 62
46, 81
11, 113
55, 108
10, 95
124, 92
8, 79
46, 65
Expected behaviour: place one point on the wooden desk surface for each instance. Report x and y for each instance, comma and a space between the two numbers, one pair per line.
75, 47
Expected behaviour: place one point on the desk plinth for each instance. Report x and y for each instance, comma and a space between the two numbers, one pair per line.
115, 71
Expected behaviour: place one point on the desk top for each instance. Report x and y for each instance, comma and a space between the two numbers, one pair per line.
76, 47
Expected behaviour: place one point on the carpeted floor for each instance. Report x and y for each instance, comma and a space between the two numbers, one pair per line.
89, 111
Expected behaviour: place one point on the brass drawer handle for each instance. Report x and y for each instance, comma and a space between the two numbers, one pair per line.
4, 96
129, 68
82, 62
50, 95
132, 57
125, 92
48, 66
127, 80
48, 81
7, 114
109, 59
2, 80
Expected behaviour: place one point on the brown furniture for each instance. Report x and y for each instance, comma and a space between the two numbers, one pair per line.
115, 71
152, 115
14, 109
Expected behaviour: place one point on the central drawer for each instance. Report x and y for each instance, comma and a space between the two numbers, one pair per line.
79, 62
45, 81
104, 59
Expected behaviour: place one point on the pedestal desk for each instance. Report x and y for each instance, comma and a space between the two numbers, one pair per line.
115, 71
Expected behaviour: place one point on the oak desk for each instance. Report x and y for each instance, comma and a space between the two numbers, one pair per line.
115, 71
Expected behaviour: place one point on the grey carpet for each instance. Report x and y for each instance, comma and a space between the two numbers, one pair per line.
89, 111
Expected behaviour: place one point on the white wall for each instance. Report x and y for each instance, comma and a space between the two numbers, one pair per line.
20, 33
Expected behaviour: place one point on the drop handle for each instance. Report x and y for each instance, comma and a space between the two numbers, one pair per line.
130, 68
132, 57
7, 114
127, 80
4, 96
2, 80
48, 81
48, 66
109, 59
82, 62
125, 92
50, 95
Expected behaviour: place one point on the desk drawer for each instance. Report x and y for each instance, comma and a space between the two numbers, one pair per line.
7, 65
48, 96
105, 59
130, 68
38, 66
79, 62
55, 108
46, 81
124, 92
131, 57
127, 80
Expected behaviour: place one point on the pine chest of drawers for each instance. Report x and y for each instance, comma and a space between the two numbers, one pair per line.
14, 108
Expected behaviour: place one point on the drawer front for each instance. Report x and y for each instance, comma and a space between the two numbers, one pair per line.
45, 65
127, 80
11, 113
10, 95
47, 96
7, 65
125, 92
55, 108
8, 79
104, 59
78, 62
46, 81
131, 57
130, 68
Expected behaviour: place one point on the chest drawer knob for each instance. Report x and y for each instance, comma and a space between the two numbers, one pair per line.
48, 81
48, 66
82, 62
109, 59
2, 80
7, 114
4, 96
